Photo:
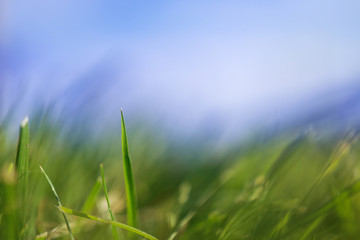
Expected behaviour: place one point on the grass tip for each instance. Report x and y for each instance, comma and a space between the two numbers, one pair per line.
24, 122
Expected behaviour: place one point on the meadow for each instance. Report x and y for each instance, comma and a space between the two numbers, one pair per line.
140, 185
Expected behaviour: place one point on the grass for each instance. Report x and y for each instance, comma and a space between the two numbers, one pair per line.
112, 223
22, 170
91, 200
129, 179
287, 187
58, 200
115, 233
22, 157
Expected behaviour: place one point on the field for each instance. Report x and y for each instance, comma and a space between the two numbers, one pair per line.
287, 186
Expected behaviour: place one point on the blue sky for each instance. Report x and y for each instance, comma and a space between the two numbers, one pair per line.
239, 61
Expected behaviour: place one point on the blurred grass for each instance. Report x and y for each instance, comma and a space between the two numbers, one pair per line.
291, 186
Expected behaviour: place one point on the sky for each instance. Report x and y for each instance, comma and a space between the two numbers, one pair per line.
233, 63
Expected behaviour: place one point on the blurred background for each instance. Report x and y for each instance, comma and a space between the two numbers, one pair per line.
192, 68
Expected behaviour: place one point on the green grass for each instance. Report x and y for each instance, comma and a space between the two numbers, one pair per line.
58, 200
91, 199
288, 187
115, 233
22, 170
129, 179
112, 223
22, 157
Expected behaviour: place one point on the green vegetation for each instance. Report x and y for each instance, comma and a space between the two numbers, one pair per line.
22, 157
113, 223
115, 234
22, 170
129, 179
286, 187
58, 200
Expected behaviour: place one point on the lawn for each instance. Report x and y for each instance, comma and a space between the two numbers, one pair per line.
292, 185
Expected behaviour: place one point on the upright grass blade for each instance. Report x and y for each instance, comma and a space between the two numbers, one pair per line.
22, 157
115, 233
117, 224
129, 179
58, 200
22, 169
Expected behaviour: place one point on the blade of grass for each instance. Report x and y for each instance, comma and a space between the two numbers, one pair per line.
58, 200
22, 157
115, 233
132, 218
117, 224
22, 169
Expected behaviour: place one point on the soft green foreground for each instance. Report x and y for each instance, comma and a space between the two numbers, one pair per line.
287, 188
